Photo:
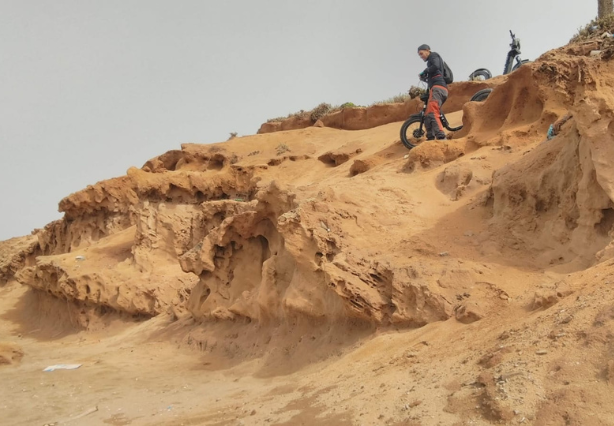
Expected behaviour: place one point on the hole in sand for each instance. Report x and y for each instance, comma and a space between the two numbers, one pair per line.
607, 220
216, 162
200, 197
540, 206
205, 295
266, 251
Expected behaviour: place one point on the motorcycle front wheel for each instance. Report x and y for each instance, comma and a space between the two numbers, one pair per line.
412, 132
481, 95
519, 64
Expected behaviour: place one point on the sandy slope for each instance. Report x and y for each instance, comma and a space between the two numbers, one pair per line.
325, 276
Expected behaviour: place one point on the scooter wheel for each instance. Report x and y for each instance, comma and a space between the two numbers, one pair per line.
521, 63
481, 95
480, 74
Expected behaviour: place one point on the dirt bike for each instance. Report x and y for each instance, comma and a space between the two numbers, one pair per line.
510, 66
413, 128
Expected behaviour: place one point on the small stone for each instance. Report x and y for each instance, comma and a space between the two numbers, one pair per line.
468, 312
541, 352
567, 319
444, 253
544, 299
253, 413
469, 234
504, 336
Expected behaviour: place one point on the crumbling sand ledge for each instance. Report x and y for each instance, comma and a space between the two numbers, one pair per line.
467, 283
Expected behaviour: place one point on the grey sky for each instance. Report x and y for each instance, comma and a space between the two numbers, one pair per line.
90, 88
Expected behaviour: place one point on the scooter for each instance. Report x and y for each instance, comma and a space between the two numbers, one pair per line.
484, 74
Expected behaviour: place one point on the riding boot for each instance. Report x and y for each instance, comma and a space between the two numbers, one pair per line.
429, 123
440, 135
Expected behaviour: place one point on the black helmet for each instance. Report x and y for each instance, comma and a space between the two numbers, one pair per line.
424, 47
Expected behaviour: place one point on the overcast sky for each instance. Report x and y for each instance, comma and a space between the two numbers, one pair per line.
90, 88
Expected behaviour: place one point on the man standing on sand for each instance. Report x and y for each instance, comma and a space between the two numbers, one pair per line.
438, 91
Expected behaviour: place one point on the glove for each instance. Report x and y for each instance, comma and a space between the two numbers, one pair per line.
422, 75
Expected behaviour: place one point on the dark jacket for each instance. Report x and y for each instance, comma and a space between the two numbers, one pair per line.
434, 70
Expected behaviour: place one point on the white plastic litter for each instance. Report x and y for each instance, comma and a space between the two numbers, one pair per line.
62, 367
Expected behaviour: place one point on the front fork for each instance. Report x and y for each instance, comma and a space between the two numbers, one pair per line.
444, 121
509, 61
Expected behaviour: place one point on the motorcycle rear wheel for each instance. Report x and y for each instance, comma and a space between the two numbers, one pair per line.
480, 74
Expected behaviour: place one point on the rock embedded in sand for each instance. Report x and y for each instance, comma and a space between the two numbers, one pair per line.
453, 181
10, 353
545, 299
468, 312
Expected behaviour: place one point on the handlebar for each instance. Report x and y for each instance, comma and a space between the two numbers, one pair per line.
515, 44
